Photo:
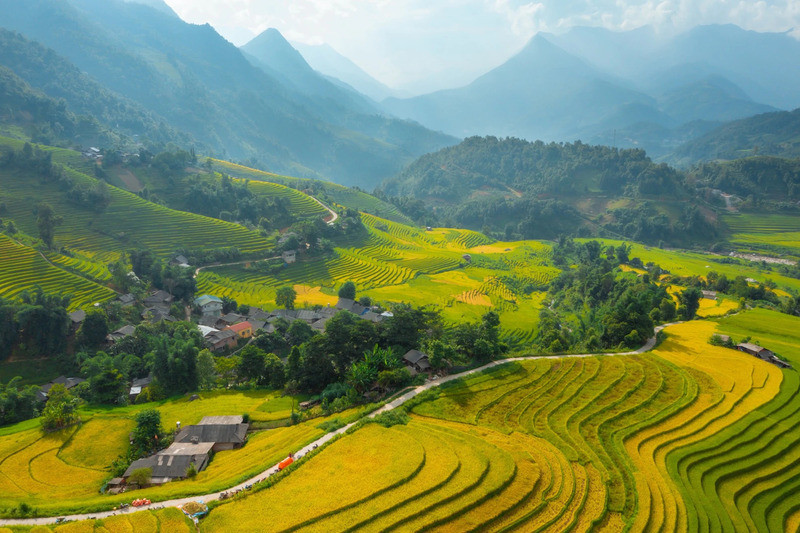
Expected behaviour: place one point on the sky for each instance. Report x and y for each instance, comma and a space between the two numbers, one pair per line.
421, 45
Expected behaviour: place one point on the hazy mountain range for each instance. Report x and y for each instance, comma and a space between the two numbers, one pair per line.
278, 113
633, 88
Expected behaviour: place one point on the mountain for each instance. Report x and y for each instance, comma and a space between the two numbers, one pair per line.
636, 89
542, 92
202, 84
41, 68
775, 134
328, 62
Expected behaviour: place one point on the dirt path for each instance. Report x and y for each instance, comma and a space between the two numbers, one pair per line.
397, 402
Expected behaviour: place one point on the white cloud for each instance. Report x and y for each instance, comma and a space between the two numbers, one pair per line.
401, 41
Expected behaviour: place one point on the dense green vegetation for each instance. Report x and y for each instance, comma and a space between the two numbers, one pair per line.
513, 188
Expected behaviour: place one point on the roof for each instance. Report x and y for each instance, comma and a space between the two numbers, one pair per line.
127, 298
241, 326
214, 433
750, 347
142, 382
180, 259
206, 299
217, 420
124, 331
159, 297
221, 335
77, 316
188, 448
345, 303
308, 315
257, 324
414, 356
231, 318
319, 325
208, 321
62, 380
167, 466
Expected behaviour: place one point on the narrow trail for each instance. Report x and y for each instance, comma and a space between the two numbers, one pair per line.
299, 454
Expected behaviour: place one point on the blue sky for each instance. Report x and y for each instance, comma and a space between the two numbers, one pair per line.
428, 44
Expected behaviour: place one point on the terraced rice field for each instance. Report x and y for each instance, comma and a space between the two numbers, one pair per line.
690, 437
297, 201
23, 268
128, 222
339, 194
64, 471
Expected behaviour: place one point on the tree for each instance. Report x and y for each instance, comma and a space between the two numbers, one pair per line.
108, 387
294, 365
206, 374
140, 476
60, 410
690, 303
274, 371
251, 364
361, 376
299, 332
348, 290
226, 369
94, 329
285, 297
148, 435
439, 352
46, 222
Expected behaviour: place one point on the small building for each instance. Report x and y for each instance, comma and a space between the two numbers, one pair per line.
174, 462
121, 333
710, 295
159, 298
244, 330
417, 361
756, 350
137, 386
205, 331
221, 340
467, 257
319, 325
308, 315
289, 256
157, 314
209, 305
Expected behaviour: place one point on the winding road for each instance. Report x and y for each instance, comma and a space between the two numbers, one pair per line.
400, 400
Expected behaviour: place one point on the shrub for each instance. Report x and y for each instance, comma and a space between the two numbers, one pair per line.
141, 476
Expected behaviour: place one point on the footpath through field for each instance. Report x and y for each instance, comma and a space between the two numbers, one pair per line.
400, 400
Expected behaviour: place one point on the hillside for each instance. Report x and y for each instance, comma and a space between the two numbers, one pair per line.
104, 115
174, 69
772, 134
538, 190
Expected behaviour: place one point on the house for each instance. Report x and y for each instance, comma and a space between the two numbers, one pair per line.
76, 318
174, 462
709, 295
222, 433
208, 321
257, 314
137, 386
209, 305
257, 324
467, 257
417, 361
372, 316
244, 330
159, 298
68, 383
319, 325
127, 300
121, 333
289, 256
221, 340
229, 320
756, 350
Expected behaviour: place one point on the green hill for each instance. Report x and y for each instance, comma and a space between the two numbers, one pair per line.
127, 222
774, 134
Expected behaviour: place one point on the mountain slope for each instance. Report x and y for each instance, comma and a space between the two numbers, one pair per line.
204, 85
776, 134
542, 92
45, 70
327, 61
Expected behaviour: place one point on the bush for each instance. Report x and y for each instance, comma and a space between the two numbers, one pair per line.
395, 417
141, 476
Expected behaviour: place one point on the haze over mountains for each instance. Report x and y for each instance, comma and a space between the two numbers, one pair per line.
141, 71
633, 88
194, 80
